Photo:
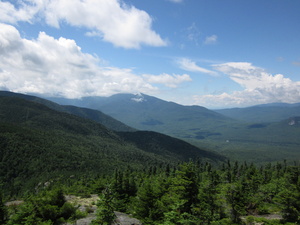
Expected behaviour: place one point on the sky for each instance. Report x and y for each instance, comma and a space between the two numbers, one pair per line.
212, 53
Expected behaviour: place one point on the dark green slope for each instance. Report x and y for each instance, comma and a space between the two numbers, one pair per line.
161, 144
34, 115
38, 144
86, 113
99, 117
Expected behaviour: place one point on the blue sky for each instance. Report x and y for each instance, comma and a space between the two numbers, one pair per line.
213, 53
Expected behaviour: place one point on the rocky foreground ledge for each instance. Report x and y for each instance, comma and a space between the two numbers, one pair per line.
89, 205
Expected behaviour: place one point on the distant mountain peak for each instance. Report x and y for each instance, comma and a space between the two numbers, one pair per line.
139, 97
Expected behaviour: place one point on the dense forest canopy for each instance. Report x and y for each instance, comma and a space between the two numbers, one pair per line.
190, 193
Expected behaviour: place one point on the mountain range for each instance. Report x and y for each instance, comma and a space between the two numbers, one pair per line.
257, 134
145, 112
273, 112
41, 141
239, 133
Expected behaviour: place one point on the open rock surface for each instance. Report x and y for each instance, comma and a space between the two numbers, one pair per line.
88, 205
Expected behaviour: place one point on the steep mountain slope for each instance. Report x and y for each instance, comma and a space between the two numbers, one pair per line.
38, 144
94, 115
99, 117
263, 113
157, 143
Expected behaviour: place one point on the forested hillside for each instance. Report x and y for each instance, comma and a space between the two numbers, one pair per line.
160, 144
39, 144
86, 113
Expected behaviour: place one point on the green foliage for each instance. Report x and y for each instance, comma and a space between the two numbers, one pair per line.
290, 201
200, 194
148, 204
49, 207
237, 200
192, 193
105, 211
184, 188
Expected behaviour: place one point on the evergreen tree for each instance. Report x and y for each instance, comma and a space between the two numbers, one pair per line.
105, 211
148, 204
208, 208
3, 211
290, 200
236, 199
182, 196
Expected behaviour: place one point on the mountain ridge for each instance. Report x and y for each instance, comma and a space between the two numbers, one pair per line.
39, 144
274, 112
86, 113
151, 113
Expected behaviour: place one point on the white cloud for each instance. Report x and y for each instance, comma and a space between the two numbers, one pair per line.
25, 12
259, 87
193, 33
189, 65
167, 79
59, 67
113, 20
211, 40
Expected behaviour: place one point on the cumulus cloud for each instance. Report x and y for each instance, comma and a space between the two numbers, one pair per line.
26, 10
112, 20
211, 40
189, 65
167, 79
47, 65
259, 87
